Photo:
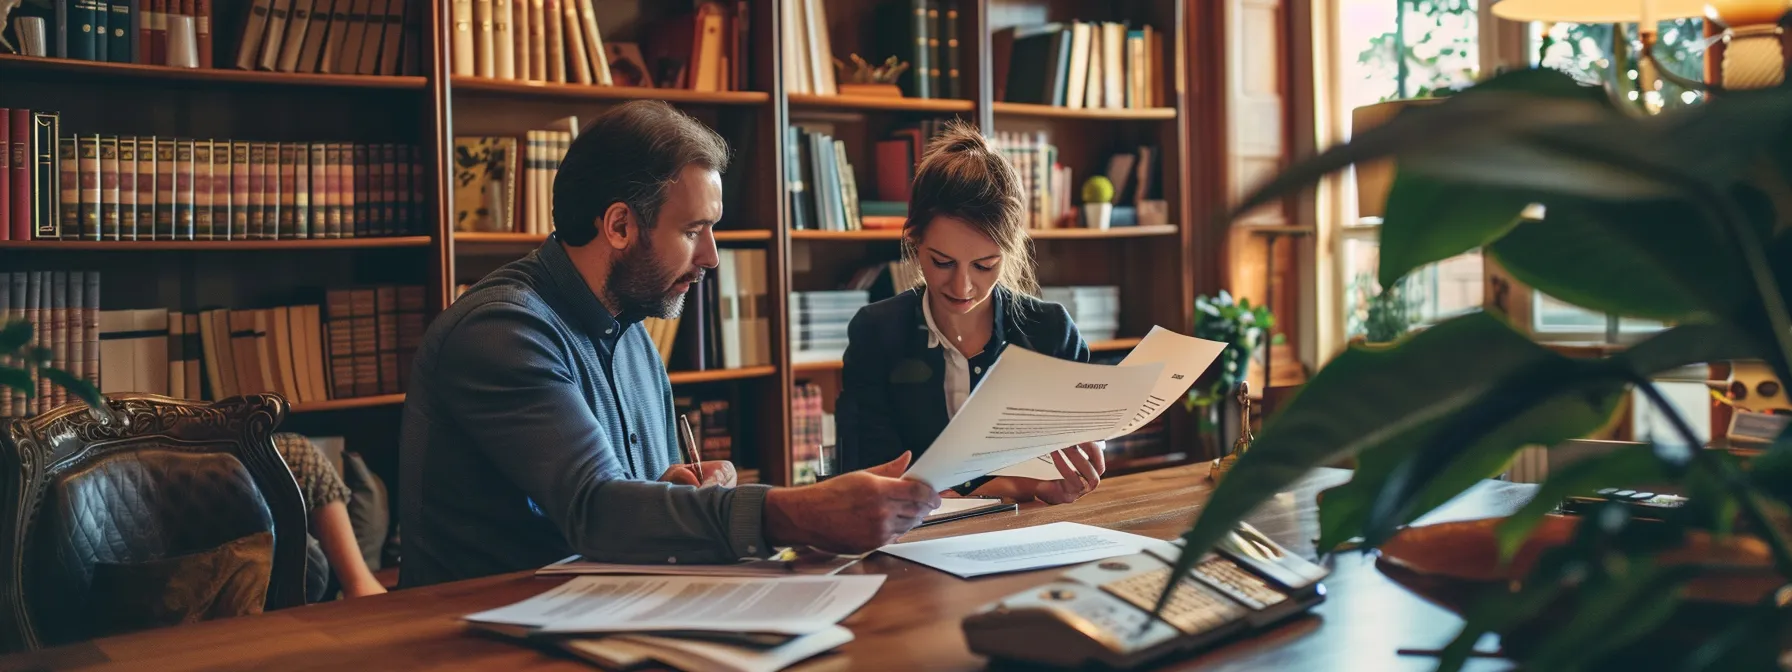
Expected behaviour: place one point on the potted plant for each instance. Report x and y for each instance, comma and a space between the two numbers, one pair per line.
1381, 318
1684, 217
1243, 328
1098, 202
19, 358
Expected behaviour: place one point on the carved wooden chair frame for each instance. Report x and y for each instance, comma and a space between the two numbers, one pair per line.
33, 450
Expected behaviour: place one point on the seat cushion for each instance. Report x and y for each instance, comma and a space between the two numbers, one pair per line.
221, 582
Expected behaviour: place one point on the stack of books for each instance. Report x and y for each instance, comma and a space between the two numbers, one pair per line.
560, 41
1096, 309
818, 322
1080, 65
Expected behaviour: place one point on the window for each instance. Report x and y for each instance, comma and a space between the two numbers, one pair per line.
1391, 50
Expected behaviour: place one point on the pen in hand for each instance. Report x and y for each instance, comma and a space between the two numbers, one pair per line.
689, 442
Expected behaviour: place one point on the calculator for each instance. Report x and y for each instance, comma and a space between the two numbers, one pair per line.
1099, 613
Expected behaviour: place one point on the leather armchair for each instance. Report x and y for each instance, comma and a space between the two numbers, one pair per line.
158, 478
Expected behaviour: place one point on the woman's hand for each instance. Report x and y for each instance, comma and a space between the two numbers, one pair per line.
1081, 467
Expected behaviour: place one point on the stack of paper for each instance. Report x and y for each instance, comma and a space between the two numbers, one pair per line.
772, 567
1030, 404
1023, 549
690, 623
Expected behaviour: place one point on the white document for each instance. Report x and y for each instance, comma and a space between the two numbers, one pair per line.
770, 568
1030, 404
789, 606
1040, 468
1037, 547
693, 655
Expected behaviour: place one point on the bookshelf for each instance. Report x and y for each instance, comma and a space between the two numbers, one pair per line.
1153, 265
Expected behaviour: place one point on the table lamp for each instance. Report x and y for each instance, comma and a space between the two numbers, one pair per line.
1752, 56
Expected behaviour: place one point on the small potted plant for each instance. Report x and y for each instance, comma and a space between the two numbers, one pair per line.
1098, 202
864, 79
1379, 319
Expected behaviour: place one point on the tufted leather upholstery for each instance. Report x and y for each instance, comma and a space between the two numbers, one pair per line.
171, 478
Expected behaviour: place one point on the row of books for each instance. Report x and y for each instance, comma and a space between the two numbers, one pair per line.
819, 320
365, 37
500, 189
824, 192
1080, 64
1048, 183
711, 422
811, 434
560, 41
923, 34
358, 343
725, 323
125, 188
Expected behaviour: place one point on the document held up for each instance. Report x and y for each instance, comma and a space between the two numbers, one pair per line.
1031, 404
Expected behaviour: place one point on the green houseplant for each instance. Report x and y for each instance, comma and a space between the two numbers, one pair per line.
1684, 217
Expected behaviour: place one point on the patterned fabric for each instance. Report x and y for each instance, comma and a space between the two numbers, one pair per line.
317, 478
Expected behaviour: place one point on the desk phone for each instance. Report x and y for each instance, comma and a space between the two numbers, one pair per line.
1099, 613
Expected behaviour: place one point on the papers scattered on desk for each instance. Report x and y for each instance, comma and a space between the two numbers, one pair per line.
1030, 404
625, 652
774, 567
591, 604
1037, 547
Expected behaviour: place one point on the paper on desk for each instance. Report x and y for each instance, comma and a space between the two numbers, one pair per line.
771, 567
790, 606
693, 655
1037, 547
1030, 404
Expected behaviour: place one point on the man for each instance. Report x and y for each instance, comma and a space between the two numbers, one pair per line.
540, 416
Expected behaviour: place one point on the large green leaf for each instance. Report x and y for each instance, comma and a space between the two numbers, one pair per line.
1366, 398
14, 336
1487, 114
17, 379
1429, 220
1618, 467
1651, 259
1546, 420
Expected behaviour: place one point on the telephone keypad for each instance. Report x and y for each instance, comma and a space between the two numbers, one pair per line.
1241, 585
1194, 607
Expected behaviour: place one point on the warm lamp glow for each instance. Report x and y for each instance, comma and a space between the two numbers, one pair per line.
1601, 11
1738, 13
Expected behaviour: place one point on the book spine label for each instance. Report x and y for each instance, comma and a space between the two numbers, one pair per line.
69, 151
319, 186
146, 189
183, 190
288, 200
127, 189
110, 215
258, 175
300, 188
165, 189
240, 203
90, 187
205, 223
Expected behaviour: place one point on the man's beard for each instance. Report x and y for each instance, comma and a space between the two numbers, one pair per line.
640, 286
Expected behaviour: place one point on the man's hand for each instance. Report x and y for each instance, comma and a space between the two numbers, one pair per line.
853, 513
715, 472
1081, 466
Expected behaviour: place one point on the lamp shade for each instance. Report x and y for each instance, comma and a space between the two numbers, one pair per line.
1375, 178
1596, 11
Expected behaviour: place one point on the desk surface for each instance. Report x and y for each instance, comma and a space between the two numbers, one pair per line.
912, 623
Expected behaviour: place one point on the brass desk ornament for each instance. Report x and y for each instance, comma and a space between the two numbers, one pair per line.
1224, 464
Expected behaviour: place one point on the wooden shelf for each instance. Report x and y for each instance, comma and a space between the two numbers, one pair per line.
1114, 344
216, 245
890, 103
1036, 234
484, 85
1053, 111
65, 67
828, 365
715, 375
346, 404
498, 238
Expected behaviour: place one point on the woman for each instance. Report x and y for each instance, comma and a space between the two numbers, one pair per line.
326, 503
912, 360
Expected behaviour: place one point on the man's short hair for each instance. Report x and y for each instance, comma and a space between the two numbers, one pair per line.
629, 154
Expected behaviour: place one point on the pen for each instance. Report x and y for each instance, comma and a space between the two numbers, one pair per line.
689, 442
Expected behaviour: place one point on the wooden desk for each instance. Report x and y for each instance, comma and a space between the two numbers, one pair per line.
912, 624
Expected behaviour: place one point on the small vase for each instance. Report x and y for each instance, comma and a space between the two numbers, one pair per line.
1097, 215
